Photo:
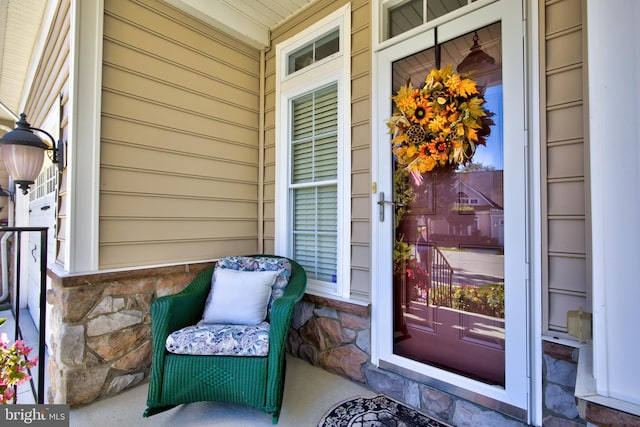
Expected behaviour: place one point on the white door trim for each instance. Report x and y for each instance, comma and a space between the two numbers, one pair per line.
516, 393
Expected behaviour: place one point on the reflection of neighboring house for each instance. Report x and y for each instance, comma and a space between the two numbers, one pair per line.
478, 194
489, 216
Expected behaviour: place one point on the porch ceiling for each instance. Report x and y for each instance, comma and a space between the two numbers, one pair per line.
24, 23
248, 20
20, 22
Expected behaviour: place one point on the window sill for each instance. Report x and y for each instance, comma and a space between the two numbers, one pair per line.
562, 340
334, 297
597, 409
357, 308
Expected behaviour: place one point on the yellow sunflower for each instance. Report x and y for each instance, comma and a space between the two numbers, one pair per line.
439, 124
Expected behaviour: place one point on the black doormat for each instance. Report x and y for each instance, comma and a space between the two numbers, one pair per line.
376, 411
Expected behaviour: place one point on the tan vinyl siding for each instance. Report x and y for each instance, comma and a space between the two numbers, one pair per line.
360, 134
565, 198
50, 92
179, 143
360, 150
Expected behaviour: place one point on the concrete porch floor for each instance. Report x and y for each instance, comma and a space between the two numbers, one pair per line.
309, 392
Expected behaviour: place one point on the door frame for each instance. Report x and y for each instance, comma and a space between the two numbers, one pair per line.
519, 397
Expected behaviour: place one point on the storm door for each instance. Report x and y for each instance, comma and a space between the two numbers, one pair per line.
452, 224
448, 267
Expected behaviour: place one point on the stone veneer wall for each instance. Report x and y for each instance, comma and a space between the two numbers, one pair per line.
559, 370
99, 330
336, 336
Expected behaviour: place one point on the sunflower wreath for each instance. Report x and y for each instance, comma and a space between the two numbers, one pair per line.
440, 124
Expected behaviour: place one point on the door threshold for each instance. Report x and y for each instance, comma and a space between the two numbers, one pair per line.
480, 399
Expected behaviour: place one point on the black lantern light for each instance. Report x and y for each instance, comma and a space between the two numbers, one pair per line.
477, 60
23, 153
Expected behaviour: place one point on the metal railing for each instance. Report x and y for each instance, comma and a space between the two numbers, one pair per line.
37, 390
440, 275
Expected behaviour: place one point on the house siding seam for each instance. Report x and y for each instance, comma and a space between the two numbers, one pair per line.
179, 142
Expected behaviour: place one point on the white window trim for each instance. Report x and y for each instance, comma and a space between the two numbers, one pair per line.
379, 10
335, 68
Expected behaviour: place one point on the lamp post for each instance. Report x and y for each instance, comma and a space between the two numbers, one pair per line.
23, 153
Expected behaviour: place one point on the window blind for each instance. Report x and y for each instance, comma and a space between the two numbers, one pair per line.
314, 171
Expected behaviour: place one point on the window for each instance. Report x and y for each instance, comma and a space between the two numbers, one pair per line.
45, 183
313, 153
315, 51
313, 186
402, 15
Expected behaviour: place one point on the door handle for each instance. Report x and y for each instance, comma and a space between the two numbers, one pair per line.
382, 202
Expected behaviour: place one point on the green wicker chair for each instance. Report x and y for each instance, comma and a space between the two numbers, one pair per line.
252, 381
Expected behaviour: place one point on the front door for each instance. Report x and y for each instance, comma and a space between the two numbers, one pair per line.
452, 282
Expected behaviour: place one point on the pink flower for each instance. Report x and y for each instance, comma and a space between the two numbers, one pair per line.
23, 348
8, 394
14, 364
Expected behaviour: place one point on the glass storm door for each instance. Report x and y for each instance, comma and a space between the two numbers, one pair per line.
454, 238
448, 266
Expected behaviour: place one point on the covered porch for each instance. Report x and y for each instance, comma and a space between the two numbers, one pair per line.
174, 118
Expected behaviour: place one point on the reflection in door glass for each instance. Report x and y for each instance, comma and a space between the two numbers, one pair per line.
449, 238
405, 15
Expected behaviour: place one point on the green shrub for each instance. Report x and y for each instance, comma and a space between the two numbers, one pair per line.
488, 300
